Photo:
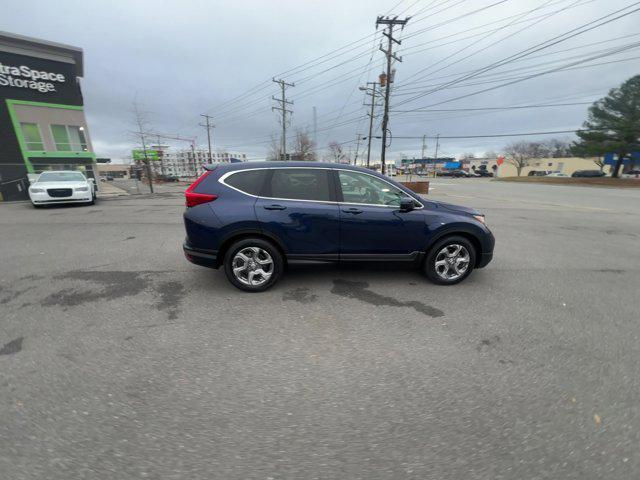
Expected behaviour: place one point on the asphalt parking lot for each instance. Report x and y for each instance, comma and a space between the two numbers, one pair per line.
119, 359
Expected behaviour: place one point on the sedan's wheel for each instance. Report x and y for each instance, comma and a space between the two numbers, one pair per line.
253, 265
450, 260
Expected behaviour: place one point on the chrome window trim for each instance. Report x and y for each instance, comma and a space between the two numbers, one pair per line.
233, 172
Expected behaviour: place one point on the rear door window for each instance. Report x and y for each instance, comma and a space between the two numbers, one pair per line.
300, 184
250, 181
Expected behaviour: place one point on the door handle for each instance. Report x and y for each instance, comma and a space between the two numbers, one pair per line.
354, 211
274, 207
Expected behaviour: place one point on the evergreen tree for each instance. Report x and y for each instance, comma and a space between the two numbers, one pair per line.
613, 124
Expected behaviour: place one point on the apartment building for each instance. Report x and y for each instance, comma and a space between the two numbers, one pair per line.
185, 164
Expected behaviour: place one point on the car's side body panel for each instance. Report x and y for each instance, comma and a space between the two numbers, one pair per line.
304, 228
380, 230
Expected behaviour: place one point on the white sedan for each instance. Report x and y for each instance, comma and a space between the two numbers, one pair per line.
62, 187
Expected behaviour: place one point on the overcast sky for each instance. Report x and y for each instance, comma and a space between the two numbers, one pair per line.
184, 58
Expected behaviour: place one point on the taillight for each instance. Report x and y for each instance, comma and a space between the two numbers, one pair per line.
193, 198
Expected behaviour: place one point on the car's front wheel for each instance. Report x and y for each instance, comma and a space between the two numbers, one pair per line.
450, 260
253, 264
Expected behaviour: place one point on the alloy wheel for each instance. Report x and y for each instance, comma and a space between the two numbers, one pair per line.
252, 266
452, 261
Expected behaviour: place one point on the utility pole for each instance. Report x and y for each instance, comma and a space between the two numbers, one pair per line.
424, 145
358, 138
283, 110
435, 157
390, 23
315, 127
373, 92
208, 126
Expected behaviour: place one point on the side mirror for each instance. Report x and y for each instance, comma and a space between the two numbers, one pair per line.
407, 204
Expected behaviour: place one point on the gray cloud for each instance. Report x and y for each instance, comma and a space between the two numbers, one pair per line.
184, 58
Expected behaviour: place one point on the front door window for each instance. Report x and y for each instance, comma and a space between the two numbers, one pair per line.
367, 189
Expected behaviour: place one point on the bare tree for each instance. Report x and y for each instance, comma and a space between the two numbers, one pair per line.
336, 153
275, 149
303, 147
490, 154
558, 148
467, 156
141, 123
518, 154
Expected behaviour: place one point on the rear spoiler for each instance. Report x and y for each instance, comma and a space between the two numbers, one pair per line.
210, 167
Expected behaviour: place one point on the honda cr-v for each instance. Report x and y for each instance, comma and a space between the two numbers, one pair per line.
254, 218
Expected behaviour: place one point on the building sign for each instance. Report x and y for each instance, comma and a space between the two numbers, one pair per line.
151, 155
23, 76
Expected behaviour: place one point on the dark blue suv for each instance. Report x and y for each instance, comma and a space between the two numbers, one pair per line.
254, 218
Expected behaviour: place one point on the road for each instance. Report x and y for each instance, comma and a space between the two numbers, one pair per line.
121, 360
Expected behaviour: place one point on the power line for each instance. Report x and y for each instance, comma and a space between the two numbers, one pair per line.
495, 135
494, 43
313, 63
317, 61
545, 55
508, 107
528, 77
500, 76
540, 46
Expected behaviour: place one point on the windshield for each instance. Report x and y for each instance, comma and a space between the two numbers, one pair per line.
61, 177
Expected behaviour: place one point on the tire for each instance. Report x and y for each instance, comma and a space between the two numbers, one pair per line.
258, 255
450, 272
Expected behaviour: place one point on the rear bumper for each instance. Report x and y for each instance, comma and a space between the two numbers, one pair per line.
201, 256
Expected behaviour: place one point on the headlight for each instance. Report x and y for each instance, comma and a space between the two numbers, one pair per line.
82, 189
36, 190
480, 218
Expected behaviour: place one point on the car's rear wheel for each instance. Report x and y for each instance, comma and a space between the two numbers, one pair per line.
450, 260
253, 264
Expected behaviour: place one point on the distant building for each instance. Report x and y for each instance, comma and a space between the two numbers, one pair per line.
188, 164
507, 169
114, 170
428, 164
